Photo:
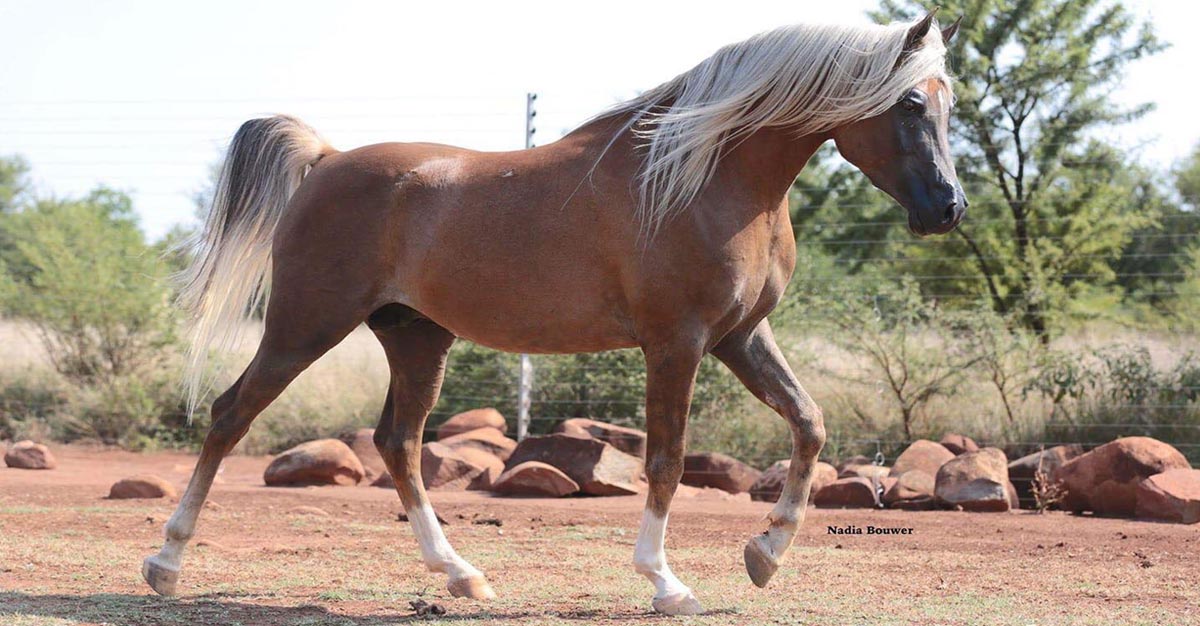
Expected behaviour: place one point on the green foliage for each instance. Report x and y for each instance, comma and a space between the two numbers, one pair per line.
80, 271
1052, 209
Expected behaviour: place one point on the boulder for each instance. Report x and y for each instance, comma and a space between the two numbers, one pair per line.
912, 491
770, 484
142, 486
320, 462
487, 439
713, 469
1022, 470
627, 440
857, 459
595, 466
923, 454
976, 481
1172, 496
868, 471
1105, 480
534, 478
443, 468
29, 455
492, 467
958, 444
847, 493
362, 442
470, 420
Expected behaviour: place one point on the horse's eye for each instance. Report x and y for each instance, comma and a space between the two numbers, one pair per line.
913, 102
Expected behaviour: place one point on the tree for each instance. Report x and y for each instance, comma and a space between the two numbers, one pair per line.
15, 186
1049, 203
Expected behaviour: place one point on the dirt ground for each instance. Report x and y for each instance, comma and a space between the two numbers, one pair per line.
70, 556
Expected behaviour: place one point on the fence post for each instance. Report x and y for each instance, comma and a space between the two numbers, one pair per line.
525, 384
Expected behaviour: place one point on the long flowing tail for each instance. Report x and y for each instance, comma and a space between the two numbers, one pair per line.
229, 277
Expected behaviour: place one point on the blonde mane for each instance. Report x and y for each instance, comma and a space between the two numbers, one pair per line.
806, 78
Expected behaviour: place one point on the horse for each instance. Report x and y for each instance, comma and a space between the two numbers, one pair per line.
661, 224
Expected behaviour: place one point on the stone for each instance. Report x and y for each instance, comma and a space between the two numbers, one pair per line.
1105, 479
976, 481
769, 485
847, 493
470, 420
142, 486
444, 469
912, 491
627, 440
868, 471
491, 465
857, 459
319, 462
29, 455
959, 444
1172, 496
534, 478
923, 454
595, 466
713, 469
1022, 471
362, 442
487, 439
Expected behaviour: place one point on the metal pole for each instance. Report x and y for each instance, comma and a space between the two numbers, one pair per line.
525, 385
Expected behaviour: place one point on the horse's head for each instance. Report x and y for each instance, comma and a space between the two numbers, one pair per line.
905, 151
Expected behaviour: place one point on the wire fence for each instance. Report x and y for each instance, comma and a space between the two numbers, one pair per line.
162, 156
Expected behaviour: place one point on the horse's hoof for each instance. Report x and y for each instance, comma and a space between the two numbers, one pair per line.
760, 565
160, 577
684, 603
474, 587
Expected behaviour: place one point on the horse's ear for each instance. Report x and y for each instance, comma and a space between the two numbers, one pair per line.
918, 31
950, 31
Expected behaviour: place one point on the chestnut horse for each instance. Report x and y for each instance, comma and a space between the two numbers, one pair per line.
661, 224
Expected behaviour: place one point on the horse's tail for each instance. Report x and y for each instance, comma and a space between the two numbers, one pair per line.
230, 275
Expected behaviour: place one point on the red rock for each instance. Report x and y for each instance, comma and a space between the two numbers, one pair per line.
713, 469
362, 442
320, 462
1172, 496
486, 439
627, 440
769, 486
1105, 480
443, 468
534, 478
958, 444
924, 455
857, 459
847, 493
470, 420
597, 467
491, 465
1022, 471
976, 481
143, 486
29, 455
913, 490
868, 471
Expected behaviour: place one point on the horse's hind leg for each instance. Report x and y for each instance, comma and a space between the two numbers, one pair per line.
416, 351
757, 361
291, 342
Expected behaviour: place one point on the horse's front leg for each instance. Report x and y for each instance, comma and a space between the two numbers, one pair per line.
756, 360
670, 377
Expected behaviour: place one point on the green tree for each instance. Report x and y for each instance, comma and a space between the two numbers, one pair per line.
1049, 204
80, 271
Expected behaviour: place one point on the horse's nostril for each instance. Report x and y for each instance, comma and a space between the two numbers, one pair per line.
949, 215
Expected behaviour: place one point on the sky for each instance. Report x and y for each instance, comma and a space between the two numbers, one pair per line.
143, 96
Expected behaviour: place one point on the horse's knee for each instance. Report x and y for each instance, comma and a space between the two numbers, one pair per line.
808, 428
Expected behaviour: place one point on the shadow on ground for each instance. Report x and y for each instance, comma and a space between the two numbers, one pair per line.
223, 608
